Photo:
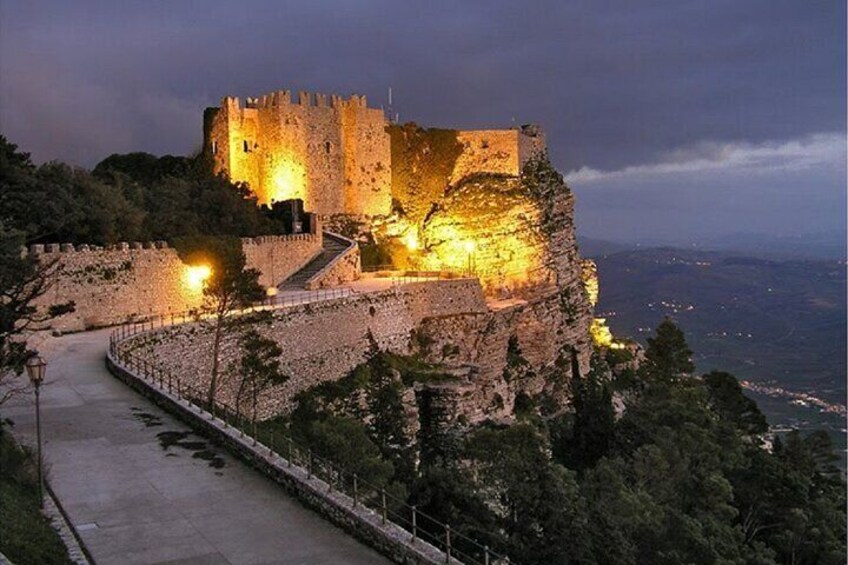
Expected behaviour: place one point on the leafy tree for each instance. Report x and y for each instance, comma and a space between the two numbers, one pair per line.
230, 287
23, 279
127, 198
668, 356
728, 400
592, 428
388, 422
539, 504
259, 368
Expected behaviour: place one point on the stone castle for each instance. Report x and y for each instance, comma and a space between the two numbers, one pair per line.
480, 213
335, 154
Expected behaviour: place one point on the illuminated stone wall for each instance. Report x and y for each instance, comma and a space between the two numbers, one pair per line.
321, 341
331, 152
503, 151
135, 281
278, 257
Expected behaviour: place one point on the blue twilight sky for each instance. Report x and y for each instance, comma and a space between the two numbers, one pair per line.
673, 120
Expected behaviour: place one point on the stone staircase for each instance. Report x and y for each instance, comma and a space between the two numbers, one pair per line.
332, 247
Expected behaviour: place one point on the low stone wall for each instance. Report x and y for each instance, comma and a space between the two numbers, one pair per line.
137, 280
357, 520
321, 341
279, 257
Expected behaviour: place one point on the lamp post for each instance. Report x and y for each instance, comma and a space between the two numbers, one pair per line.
36, 367
470, 247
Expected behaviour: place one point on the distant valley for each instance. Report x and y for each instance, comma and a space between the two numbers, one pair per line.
778, 324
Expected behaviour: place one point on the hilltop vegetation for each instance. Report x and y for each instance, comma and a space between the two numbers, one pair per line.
682, 476
134, 197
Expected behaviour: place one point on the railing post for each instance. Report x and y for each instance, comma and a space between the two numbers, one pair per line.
291, 450
447, 544
355, 490
414, 523
309, 464
383, 503
486, 555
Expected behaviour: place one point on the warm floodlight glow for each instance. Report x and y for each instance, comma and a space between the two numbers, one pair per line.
410, 240
196, 275
469, 246
288, 180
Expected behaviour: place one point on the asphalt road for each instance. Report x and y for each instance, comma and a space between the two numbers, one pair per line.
139, 487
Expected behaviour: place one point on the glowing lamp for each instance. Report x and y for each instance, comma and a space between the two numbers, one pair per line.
469, 246
271, 291
195, 276
410, 240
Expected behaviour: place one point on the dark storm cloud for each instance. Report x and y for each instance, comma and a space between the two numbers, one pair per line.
615, 84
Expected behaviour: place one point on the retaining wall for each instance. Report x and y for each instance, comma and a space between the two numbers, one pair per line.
321, 341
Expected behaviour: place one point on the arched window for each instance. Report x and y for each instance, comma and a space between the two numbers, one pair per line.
327, 147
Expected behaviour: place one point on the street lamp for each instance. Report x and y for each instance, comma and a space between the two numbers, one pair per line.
36, 367
470, 246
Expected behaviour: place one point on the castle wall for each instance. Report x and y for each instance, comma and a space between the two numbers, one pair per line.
501, 151
332, 153
447, 322
279, 257
135, 281
368, 183
321, 341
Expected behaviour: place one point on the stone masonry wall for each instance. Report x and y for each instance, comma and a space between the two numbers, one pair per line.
331, 152
501, 151
135, 281
321, 341
277, 262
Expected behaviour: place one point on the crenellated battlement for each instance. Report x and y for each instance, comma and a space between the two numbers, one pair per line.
67, 248
264, 239
304, 98
56, 248
335, 153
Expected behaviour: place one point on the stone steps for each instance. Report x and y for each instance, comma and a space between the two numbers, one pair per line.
331, 249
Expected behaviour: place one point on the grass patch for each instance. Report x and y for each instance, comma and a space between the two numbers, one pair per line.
26, 536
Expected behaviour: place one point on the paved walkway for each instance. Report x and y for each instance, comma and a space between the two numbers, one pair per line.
139, 487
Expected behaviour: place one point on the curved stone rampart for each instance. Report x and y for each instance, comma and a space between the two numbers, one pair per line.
137, 280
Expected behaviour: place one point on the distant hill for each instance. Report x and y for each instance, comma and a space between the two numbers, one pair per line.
828, 245
776, 322
591, 247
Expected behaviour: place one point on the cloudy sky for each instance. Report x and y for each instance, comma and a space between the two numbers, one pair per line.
673, 120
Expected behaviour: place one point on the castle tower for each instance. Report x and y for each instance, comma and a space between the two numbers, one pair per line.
332, 153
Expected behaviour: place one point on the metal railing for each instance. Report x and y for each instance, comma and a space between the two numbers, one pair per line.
271, 303
456, 546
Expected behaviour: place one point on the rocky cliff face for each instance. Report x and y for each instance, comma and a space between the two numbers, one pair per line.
516, 234
522, 352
